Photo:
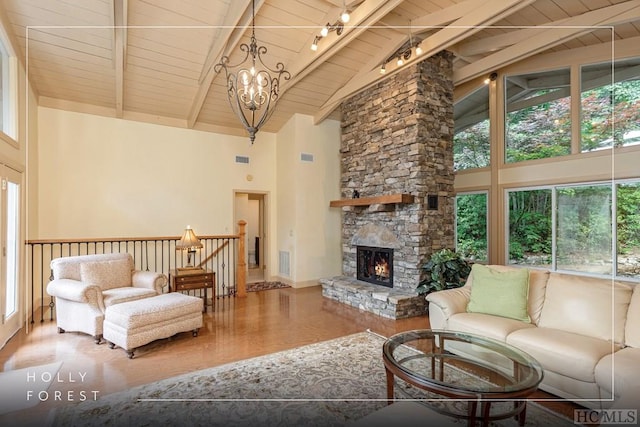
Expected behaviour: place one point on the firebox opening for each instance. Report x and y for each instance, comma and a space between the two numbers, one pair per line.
375, 265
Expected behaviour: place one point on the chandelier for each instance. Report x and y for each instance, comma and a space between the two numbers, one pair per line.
253, 88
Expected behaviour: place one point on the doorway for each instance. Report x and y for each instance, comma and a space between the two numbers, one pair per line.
251, 207
10, 295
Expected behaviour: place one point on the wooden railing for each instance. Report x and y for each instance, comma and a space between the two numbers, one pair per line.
222, 254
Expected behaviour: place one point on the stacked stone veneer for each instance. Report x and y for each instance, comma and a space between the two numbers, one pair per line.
397, 137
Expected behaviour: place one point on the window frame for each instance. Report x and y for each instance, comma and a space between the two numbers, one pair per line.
10, 114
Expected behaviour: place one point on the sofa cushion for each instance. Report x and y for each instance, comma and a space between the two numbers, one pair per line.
537, 288
632, 327
126, 294
566, 353
107, 274
486, 325
619, 370
501, 293
586, 305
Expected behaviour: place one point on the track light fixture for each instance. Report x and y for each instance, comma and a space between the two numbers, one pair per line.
337, 26
404, 52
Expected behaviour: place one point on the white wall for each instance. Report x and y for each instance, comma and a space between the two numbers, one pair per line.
103, 177
308, 228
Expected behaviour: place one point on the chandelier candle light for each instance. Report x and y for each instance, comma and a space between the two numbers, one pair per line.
252, 89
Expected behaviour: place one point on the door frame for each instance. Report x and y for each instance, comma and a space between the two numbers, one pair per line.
263, 197
9, 326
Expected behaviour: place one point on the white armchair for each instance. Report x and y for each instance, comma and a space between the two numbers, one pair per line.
85, 285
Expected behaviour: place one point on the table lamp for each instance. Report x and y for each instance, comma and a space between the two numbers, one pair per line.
190, 243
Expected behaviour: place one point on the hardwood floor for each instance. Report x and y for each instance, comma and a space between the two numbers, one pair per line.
239, 328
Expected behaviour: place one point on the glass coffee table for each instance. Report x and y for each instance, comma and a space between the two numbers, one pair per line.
448, 369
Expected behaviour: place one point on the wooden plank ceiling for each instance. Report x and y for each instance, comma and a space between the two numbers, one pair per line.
153, 60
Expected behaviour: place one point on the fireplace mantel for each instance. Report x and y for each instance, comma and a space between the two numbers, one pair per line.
386, 199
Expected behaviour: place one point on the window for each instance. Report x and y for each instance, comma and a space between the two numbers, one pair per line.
471, 226
8, 92
610, 113
538, 116
471, 131
584, 231
530, 227
628, 229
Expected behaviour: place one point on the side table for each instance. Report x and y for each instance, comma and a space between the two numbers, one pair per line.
188, 280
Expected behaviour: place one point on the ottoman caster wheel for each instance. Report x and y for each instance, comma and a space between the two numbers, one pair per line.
60, 330
195, 332
130, 354
112, 345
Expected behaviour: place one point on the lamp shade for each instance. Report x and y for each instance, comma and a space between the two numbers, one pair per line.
189, 240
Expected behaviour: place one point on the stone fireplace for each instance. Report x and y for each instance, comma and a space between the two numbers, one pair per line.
396, 186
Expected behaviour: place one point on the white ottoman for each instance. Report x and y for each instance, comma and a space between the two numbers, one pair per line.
136, 323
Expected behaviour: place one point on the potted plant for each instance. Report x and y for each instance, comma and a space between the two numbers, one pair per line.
446, 269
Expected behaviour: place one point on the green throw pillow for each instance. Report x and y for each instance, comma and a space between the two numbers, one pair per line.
501, 293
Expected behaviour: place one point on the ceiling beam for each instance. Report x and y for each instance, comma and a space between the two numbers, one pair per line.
471, 21
548, 37
120, 8
237, 19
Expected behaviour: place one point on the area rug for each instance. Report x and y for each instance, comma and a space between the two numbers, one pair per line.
265, 286
23, 388
331, 383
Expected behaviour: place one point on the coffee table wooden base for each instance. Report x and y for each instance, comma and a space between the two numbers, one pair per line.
519, 411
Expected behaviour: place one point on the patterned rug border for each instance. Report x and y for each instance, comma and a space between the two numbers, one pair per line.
265, 286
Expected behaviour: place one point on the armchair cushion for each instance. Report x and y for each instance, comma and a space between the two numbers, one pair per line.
120, 295
107, 274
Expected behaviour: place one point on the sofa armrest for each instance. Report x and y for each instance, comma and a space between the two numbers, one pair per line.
150, 280
74, 290
448, 303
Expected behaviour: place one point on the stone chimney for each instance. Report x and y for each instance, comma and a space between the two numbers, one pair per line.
397, 138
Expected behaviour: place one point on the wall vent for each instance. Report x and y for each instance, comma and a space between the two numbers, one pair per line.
242, 159
284, 268
306, 157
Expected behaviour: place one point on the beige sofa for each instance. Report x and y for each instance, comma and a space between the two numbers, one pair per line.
584, 331
85, 285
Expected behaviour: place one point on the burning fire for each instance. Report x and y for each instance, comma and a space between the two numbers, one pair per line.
382, 268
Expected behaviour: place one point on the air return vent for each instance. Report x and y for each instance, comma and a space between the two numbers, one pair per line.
306, 157
284, 268
242, 159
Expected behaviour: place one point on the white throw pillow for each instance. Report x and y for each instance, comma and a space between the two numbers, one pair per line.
107, 274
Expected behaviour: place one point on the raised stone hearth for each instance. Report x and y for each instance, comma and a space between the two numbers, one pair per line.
380, 300
397, 147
